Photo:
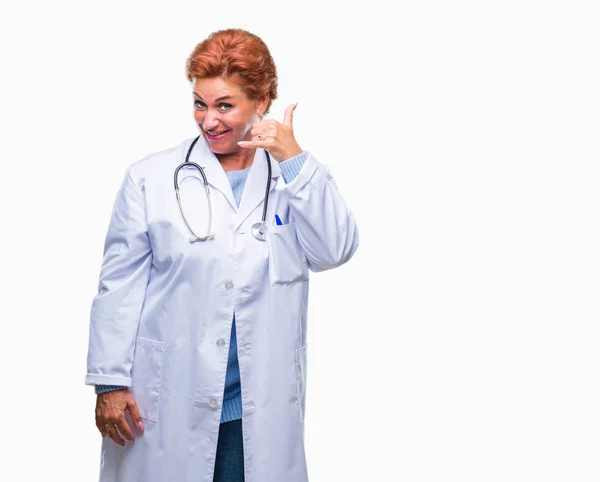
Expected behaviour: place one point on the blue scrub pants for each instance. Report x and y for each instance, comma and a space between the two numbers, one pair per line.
229, 464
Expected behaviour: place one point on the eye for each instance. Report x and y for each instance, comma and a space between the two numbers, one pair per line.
223, 106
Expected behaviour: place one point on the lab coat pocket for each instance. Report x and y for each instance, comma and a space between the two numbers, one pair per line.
287, 263
146, 375
301, 378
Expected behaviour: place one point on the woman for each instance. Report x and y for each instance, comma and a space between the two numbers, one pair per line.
198, 347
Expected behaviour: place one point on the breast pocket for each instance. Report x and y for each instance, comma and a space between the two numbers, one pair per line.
146, 373
287, 263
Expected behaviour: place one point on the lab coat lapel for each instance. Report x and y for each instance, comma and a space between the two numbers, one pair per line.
256, 183
215, 174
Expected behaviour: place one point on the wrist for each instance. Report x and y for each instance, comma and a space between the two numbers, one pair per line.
291, 154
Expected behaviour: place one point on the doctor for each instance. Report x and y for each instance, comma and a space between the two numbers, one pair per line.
197, 350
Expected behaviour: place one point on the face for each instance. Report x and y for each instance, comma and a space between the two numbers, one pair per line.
221, 107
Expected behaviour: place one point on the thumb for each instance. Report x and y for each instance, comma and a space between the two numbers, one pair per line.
288, 116
135, 413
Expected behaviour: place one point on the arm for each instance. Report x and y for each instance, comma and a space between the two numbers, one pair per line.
325, 227
124, 276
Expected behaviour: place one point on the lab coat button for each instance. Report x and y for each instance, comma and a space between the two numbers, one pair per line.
229, 285
220, 342
213, 402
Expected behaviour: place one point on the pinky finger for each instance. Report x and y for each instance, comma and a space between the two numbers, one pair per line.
115, 436
264, 144
248, 144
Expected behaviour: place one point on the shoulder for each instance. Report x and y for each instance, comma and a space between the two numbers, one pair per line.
158, 163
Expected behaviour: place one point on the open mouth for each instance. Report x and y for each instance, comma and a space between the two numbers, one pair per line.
216, 135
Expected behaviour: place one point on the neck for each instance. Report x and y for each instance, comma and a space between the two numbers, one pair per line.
237, 160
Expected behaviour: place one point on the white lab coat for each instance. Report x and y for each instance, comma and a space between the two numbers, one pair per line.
161, 320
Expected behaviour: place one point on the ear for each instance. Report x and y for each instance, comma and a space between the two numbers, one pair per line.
261, 104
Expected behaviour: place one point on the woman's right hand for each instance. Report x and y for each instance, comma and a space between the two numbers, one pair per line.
110, 411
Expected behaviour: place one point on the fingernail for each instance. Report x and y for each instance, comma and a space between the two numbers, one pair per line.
141, 425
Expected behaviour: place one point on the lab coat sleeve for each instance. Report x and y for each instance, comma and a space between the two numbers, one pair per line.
326, 229
124, 274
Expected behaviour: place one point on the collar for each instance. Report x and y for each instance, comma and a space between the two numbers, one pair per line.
254, 189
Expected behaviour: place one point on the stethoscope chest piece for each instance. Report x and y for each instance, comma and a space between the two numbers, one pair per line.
259, 231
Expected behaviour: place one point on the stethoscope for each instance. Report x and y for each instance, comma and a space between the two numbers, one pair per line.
259, 229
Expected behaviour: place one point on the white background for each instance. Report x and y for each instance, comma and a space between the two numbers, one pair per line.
461, 341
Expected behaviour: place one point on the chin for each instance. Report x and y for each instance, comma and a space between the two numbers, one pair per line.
221, 150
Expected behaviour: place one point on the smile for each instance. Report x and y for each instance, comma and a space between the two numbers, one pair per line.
216, 136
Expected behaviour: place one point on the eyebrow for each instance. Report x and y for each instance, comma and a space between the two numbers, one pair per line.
225, 97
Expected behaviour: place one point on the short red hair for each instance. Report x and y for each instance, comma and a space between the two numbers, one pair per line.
239, 56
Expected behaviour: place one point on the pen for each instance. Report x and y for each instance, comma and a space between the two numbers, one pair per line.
278, 221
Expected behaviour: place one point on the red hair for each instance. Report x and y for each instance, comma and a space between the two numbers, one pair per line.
239, 56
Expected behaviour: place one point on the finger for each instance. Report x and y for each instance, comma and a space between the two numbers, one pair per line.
113, 433
249, 144
264, 136
260, 126
135, 413
101, 429
265, 144
125, 429
264, 128
100, 423
288, 117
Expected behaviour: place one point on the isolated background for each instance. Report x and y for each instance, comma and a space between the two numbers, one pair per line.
461, 341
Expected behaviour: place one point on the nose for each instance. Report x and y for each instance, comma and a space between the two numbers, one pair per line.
211, 120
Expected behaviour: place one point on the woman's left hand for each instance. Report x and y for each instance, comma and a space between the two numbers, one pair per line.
277, 138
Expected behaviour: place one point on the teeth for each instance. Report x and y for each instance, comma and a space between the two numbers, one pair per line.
215, 134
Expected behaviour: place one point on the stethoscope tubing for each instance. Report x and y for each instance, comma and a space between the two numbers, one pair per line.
258, 229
